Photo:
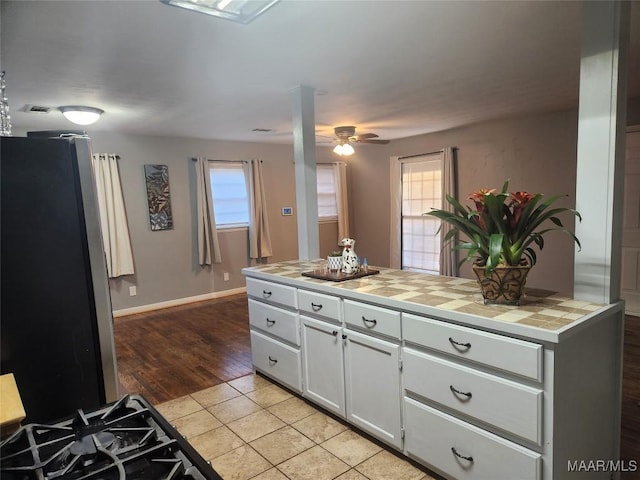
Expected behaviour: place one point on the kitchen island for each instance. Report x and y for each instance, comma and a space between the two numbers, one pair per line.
469, 390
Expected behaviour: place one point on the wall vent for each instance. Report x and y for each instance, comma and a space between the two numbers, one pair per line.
36, 109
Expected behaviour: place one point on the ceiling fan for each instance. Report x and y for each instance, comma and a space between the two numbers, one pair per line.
346, 135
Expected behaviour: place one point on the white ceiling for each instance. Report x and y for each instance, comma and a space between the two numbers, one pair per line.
397, 68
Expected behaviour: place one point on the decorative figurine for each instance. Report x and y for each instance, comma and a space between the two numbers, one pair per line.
349, 258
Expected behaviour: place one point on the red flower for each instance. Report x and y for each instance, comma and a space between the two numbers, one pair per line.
519, 200
478, 197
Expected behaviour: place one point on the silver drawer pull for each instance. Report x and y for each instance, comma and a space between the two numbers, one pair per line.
455, 390
266, 294
459, 344
366, 321
316, 306
455, 452
270, 322
273, 360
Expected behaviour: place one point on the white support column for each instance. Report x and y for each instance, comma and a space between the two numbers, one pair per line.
601, 134
304, 151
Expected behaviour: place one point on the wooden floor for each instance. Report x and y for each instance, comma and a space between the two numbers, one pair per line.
630, 442
170, 353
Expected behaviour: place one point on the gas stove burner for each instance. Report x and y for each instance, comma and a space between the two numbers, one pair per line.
89, 444
127, 440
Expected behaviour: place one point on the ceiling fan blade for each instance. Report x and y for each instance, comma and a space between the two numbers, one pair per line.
378, 142
367, 135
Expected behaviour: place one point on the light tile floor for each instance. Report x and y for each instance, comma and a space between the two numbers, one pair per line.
250, 428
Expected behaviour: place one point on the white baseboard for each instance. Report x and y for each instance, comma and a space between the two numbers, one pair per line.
178, 301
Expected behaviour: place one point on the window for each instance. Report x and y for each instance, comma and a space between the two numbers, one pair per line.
229, 189
421, 191
327, 204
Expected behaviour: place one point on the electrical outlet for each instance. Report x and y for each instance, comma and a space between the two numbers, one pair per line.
226, 276
132, 291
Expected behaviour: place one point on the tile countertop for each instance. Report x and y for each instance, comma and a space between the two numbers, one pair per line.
543, 315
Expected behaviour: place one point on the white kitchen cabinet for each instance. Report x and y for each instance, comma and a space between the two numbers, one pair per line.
322, 364
484, 392
490, 399
459, 450
277, 360
275, 331
372, 379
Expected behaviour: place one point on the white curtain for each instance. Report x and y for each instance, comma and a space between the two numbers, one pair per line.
448, 256
208, 246
342, 199
259, 236
113, 217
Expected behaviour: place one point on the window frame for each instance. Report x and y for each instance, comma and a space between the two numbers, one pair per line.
329, 168
238, 166
395, 165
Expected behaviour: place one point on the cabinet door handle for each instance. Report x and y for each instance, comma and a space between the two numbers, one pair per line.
334, 333
273, 360
344, 337
459, 344
270, 322
455, 390
366, 321
266, 294
316, 306
455, 452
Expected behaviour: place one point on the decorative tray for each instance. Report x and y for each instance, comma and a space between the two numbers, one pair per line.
338, 276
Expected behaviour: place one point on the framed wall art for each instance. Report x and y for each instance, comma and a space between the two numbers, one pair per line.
158, 197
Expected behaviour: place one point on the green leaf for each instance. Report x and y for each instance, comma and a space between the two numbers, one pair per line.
495, 251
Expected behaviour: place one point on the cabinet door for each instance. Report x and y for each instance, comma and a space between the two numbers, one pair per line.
323, 364
372, 372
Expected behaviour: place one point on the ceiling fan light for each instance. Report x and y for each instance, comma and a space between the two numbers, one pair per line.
338, 149
347, 150
81, 115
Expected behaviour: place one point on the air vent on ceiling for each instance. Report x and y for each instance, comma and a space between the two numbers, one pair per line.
36, 109
262, 130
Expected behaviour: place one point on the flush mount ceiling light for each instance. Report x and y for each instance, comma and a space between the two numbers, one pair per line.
81, 115
241, 11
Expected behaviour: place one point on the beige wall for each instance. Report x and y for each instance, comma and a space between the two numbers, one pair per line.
166, 261
537, 153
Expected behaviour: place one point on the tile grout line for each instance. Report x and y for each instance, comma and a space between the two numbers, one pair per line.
286, 423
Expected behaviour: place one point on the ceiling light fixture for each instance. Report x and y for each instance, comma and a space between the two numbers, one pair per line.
241, 11
344, 149
81, 115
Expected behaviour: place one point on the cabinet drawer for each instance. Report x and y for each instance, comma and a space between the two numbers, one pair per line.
276, 321
320, 304
372, 318
435, 437
507, 405
277, 360
272, 292
505, 353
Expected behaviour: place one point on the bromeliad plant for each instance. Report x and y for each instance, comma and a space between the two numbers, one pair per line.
503, 227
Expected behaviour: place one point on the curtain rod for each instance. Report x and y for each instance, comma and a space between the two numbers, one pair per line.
228, 161
420, 155
223, 161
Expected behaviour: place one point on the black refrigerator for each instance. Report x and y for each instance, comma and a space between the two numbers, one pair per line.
56, 323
